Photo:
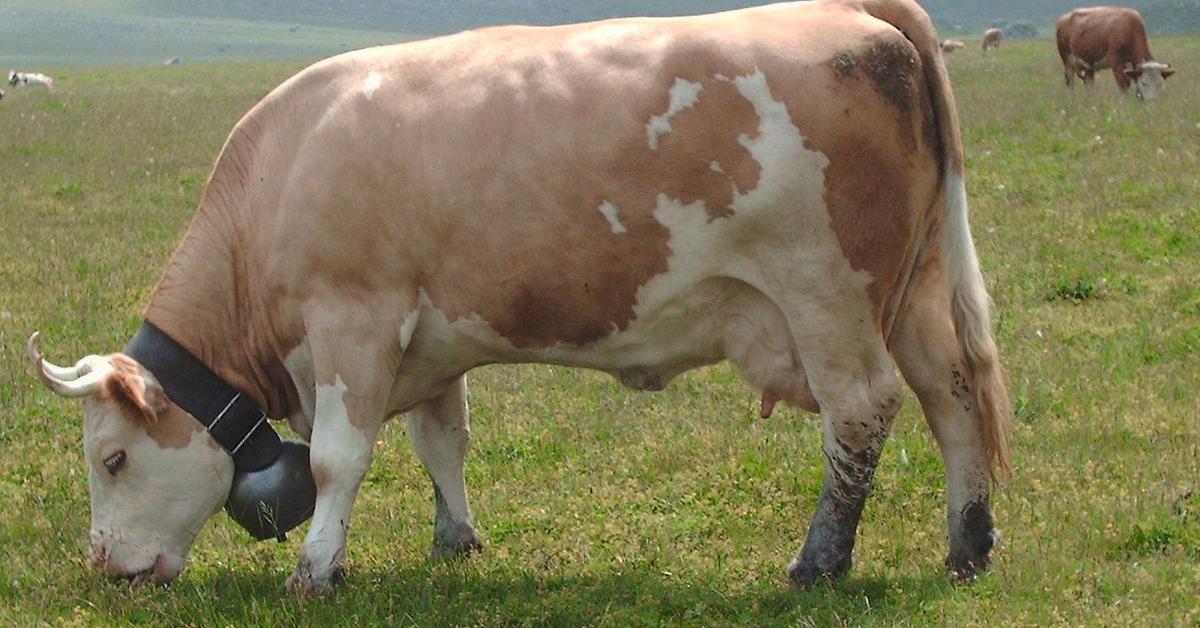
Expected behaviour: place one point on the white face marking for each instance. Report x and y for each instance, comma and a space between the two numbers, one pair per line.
1150, 82
149, 512
374, 80
610, 213
684, 94
716, 167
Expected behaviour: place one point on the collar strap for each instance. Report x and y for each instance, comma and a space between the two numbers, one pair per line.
231, 417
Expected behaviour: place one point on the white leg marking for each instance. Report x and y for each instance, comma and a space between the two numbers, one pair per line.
341, 454
684, 94
610, 213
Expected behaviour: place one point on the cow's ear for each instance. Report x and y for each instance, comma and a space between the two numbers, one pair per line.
139, 396
1168, 71
1132, 73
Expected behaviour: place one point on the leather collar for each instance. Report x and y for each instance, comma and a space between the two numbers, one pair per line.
230, 416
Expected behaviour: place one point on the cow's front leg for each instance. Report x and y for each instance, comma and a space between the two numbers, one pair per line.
343, 440
856, 418
440, 432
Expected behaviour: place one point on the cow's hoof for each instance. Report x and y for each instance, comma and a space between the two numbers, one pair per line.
453, 551
966, 569
967, 565
455, 542
970, 549
805, 572
303, 583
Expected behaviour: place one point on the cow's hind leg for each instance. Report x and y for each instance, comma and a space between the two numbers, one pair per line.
853, 380
931, 359
440, 432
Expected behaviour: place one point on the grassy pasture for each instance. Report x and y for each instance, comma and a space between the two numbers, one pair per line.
607, 507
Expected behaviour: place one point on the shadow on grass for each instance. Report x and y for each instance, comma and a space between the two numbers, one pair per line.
464, 595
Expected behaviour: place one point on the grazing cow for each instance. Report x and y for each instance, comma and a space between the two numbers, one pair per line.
1096, 38
991, 38
779, 186
950, 45
26, 79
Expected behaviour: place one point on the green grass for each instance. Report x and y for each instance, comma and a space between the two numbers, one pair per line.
607, 507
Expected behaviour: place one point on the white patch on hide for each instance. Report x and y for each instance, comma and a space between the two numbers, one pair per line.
408, 327
299, 364
610, 213
792, 271
333, 420
684, 94
374, 80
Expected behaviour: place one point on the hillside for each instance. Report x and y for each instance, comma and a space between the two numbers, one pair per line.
79, 32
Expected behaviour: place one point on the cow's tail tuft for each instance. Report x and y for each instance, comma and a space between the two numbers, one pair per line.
970, 302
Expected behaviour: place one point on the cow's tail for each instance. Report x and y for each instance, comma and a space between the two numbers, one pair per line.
970, 302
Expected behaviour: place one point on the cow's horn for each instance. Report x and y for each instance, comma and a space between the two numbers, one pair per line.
78, 381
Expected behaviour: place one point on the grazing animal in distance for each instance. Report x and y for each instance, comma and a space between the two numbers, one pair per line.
950, 45
1097, 38
991, 38
636, 196
26, 79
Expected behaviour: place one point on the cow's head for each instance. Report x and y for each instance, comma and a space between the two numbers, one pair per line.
12, 77
155, 475
1149, 78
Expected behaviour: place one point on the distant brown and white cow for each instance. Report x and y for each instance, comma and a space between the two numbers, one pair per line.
27, 79
780, 186
1096, 38
991, 38
950, 45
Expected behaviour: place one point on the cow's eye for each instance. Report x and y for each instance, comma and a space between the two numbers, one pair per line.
114, 462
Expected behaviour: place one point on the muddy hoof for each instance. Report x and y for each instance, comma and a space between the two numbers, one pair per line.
971, 558
458, 550
964, 568
302, 583
804, 573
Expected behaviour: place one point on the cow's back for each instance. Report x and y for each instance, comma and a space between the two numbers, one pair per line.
1094, 34
565, 193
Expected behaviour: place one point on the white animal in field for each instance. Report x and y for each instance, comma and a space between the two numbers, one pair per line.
27, 79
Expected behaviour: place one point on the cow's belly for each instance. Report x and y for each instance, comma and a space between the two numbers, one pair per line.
713, 320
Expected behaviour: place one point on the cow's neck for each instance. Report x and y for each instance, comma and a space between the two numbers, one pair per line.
206, 302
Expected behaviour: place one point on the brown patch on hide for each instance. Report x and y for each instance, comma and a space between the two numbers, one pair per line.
883, 154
